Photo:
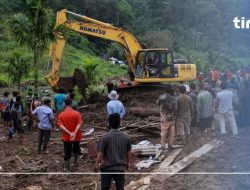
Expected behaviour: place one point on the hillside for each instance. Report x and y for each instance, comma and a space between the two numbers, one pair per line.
72, 58
202, 31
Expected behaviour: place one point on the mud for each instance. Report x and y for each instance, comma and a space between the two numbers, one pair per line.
232, 156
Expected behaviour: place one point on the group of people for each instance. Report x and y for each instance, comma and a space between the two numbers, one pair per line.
238, 83
40, 112
12, 112
180, 108
122, 84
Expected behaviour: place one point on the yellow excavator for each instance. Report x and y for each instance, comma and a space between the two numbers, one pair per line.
152, 66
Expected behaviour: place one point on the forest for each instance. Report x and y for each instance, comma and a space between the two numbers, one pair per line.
201, 31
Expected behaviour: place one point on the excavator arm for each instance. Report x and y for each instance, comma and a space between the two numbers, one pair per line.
94, 28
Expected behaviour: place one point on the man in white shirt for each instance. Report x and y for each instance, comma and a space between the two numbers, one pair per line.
224, 103
114, 105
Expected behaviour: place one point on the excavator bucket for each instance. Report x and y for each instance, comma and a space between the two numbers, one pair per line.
66, 83
78, 79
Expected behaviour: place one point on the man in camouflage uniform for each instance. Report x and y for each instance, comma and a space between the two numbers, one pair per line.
167, 106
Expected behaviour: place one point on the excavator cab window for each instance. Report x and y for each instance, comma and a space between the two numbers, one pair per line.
166, 67
154, 64
140, 67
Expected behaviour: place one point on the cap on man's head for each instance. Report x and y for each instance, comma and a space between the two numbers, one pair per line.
113, 95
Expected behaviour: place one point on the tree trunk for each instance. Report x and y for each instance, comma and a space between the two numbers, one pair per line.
36, 58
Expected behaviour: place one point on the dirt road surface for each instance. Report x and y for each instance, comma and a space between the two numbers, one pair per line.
18, 156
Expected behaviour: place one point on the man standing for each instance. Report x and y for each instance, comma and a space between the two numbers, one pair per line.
6, 109
184, 114
70, 121
28, 100
167, 106
215, 77
114, 105
244, 105
114, 155
193, 95
224, 103
44, 115
59, 100
205, 108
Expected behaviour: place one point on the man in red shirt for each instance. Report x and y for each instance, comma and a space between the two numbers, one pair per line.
70, 121
215, 77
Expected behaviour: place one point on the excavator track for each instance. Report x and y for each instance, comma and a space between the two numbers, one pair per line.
141, 88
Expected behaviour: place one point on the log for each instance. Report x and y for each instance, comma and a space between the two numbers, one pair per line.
150, 132
144, 112
104, 128
81, 107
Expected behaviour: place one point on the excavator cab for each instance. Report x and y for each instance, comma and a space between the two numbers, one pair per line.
154, 64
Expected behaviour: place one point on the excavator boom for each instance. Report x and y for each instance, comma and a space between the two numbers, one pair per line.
145, 65
90, 27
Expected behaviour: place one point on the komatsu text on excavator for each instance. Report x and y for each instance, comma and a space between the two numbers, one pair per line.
145, 65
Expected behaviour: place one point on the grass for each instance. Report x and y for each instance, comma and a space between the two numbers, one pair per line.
72, 58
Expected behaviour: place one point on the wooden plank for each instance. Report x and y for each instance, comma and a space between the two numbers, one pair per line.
143, 187
171, 170
180, 165
168, 160
145, 181
34, 188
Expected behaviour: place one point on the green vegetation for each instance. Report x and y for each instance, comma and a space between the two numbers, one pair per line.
33, 28
19, 66
74, 58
